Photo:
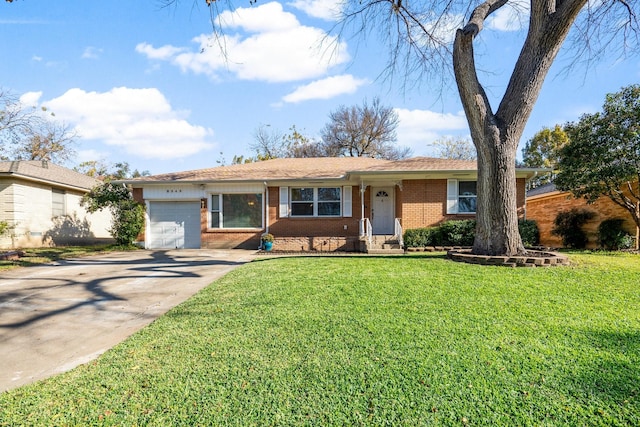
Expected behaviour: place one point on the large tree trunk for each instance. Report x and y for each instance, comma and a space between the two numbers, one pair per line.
497, 219
496, 136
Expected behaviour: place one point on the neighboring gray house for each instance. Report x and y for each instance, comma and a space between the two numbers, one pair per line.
41, 202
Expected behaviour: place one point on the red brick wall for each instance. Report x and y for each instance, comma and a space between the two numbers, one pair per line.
420, 203
424, 203
543, 210
314, 234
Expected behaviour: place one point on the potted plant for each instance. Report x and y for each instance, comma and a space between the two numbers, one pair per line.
266, 241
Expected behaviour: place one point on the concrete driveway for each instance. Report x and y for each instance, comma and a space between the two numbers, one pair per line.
56, 317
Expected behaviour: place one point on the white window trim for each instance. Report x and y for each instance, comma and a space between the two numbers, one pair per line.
453, 197
342, 201
220, 212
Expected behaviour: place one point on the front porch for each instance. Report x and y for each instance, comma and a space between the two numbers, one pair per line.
380, 229
389, 244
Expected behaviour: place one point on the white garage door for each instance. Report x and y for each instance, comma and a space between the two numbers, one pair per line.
174, 225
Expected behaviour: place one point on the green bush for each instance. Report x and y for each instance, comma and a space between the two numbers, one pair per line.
457, 233
568, 225
611, 235
449, 233
529, 232
462, 233
421, 237
127, 222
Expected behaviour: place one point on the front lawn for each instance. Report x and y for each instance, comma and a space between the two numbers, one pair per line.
36, 256
414, 340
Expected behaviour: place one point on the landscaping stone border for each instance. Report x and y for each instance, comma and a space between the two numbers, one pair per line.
530, 259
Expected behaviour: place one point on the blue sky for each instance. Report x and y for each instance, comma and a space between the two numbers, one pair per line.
148, 85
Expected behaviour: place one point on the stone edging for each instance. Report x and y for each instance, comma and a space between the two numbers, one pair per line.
531, 259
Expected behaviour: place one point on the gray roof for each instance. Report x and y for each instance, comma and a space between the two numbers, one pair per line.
42, 171
543, 189
315, 168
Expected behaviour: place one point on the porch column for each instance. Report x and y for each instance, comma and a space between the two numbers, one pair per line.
363, 189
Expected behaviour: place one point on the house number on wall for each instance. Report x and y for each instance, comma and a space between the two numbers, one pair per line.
174, 191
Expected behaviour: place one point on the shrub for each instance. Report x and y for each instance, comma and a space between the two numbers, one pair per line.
458, 233
127, 222
611, 235
449, 233
420, 237
529, 232
568, 225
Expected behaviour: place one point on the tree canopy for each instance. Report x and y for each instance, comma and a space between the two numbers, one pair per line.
457, 149
367, 130
29, 133
542, 150
357, 131
602, 157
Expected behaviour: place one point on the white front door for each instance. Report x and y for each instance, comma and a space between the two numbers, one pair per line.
382, 210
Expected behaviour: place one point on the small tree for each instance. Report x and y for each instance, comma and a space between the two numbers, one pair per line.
542, 151
127, 215
602, 157
363, 131
457, 149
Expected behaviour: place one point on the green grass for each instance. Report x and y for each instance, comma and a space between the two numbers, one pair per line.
415, 340
35, 256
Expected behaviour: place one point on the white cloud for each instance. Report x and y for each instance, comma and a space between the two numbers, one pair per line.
325, 88
271, 46
140, 121
419, 128
30, 99
329, 10
91, 52
163, 53
513, 16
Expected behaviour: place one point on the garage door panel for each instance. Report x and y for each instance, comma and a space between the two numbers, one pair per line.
174, 225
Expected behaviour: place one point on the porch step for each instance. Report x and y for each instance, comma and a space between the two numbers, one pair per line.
384, 245
385, 251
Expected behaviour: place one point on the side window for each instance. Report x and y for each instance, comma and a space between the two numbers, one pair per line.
58, 206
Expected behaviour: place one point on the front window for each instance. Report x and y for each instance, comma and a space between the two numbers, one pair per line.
236, 211
324, 201
467, 196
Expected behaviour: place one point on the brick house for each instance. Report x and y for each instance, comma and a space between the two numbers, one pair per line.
545, 202
41, 202
308, 204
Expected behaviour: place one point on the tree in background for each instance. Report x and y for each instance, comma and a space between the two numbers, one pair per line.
542, 150
28, 133
457, 149
602, 157
363, 131
99, 169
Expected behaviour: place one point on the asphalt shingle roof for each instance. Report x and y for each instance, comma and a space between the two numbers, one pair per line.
46, 171
310, 168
